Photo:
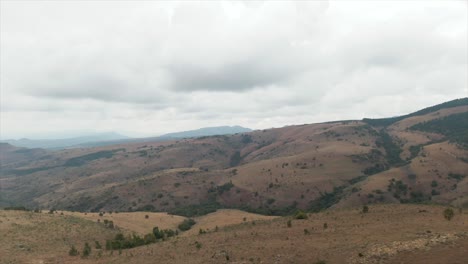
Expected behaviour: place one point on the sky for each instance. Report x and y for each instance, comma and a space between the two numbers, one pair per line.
145, 68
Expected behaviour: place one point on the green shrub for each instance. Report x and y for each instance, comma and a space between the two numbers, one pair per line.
86, 250
448, 213
186, 224
300, 215
365, 209
73, 251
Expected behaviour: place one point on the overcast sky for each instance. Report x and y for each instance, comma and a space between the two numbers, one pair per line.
151, 67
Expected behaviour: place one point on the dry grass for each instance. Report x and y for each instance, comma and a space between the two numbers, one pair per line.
135, 221
387, 234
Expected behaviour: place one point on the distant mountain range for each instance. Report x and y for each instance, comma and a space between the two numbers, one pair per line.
64, 142
209, 131
111, 138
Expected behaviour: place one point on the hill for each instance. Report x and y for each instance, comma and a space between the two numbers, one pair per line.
65, 142
420, 158
385, 234
208, 131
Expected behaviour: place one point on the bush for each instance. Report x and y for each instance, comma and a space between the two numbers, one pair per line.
289, 224
86, 250
300, 215
186, 224
365, 209
73, 251
448, 213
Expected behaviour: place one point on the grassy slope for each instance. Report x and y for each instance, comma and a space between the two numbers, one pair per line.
276, 168
387, 234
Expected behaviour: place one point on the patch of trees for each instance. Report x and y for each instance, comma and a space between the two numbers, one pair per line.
456, 176
81, 160
389, 121
221, 188
454, 127
375, 169
398, 188
393, 150
123, 242
414, 151
186, 224
21, 172
326, 199
235, 159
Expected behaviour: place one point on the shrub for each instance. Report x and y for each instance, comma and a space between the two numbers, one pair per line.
365, 209
86, 250
448, 213
306, 232
73, 251
300, 215
198, 245
97, 245
186, 224
289, 224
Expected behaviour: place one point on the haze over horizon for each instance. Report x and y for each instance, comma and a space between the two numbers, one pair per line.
148, 68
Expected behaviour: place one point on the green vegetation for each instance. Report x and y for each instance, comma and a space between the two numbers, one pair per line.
186, 224
81, 160
454, 127
391, 120
365, 209
456, 176
300, 215
121, 242
73, 251
235, 159
21, 172
375, 169
448, 214
398, 188
16, 208
414, 151
86, 250
326, 200
392, 150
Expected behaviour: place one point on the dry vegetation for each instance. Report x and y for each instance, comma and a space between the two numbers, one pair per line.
385, 234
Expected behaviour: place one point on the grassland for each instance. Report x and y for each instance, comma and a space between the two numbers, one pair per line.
386, 234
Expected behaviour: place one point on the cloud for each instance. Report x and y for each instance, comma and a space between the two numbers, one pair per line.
147, 67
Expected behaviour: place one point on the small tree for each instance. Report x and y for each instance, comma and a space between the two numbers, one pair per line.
448, 213
73, 251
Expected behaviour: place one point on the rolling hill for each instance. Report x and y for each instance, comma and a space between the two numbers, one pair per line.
417, 158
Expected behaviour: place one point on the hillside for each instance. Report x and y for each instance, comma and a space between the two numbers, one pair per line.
385, 234
418, 158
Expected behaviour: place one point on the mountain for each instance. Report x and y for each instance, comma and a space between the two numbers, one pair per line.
208, 131
65, 142
418, 158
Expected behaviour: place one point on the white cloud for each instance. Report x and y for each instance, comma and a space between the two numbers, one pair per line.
145, 68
